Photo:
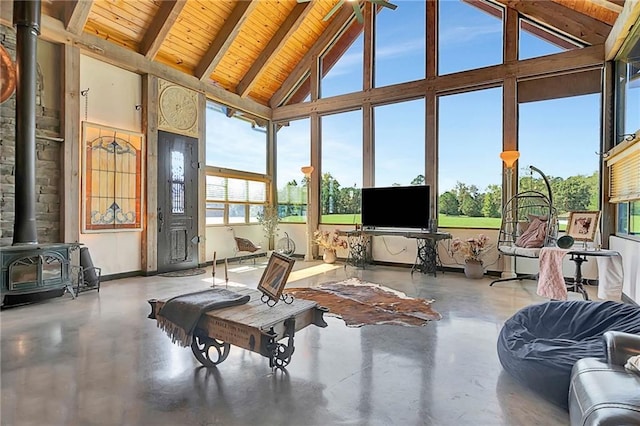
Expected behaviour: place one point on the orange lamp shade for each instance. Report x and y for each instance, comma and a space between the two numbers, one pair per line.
509, 157
307, 170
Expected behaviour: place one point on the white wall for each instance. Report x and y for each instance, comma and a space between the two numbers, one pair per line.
112, 97
395, 249
48, 62
219, 239
630, 252
401, 250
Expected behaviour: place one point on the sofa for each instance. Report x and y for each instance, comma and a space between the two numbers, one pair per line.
602, 392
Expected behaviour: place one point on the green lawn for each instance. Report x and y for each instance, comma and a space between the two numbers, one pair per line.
443, 221
468, 222
335, 219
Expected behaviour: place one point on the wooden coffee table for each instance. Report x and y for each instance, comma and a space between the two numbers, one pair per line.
253, 326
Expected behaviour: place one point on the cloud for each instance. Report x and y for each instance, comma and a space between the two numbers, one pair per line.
349, 63
464, 34
399, 48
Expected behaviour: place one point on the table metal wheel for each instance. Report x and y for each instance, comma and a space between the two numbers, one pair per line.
210, 352
281, 356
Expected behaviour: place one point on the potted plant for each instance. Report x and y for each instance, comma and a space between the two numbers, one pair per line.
330, 242
268, 218
472, 250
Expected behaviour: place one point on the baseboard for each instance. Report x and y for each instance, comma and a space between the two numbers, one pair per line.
126, 275
232, 259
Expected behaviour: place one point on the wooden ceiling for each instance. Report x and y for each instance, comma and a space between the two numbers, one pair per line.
250, 48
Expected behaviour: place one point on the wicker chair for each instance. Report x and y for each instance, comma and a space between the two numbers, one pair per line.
243, 245
529, 222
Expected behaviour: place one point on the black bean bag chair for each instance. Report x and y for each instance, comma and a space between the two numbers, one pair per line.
540, 343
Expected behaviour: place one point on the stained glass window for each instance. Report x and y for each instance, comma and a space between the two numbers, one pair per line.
112, 178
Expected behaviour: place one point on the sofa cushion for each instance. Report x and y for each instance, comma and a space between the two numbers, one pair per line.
519, 251
603, 394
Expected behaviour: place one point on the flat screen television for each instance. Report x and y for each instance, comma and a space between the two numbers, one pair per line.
396, 207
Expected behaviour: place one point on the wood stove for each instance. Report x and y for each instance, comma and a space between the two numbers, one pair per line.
30, 271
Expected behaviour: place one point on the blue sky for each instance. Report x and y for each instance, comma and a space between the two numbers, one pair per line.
560, 137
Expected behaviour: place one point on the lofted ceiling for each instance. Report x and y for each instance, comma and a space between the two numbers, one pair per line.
257, 50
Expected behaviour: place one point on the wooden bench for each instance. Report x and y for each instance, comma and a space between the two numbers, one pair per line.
253, 326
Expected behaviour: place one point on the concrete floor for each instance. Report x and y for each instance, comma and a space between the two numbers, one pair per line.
99, 360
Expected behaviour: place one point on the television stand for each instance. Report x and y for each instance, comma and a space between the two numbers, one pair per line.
427, 259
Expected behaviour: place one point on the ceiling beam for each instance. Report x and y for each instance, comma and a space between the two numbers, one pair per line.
288, 27
224, 38
572, 60
302, 69
629, 17
160, 27
52, 30
609, 5
563, 19
76, 14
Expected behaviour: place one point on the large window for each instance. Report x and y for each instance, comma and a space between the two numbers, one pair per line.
342, 64
399, 150
536, 40
341, 178
469, 35
627, 113
628, 95
293, 148
561, 137
234, 200
400, 43
235, 141
469, 168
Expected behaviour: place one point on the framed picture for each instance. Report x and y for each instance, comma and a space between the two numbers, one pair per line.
275, 275
583, 224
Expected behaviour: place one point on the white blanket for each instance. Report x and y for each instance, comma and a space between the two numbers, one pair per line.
610, 277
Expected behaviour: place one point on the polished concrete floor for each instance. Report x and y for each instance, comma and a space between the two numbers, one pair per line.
98, 360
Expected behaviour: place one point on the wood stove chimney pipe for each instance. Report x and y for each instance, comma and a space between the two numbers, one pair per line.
26, 19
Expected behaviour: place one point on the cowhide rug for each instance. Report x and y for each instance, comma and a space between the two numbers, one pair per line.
361, 303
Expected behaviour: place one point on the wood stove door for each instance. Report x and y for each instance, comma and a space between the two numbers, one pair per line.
177, 202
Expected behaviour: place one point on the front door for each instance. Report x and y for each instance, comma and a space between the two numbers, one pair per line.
177, 202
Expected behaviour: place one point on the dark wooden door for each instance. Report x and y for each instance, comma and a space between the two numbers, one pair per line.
177, 202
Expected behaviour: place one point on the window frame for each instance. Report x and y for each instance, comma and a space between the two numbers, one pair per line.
248, 203
622, 138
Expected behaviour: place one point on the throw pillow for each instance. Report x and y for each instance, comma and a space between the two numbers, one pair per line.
246, 245
535, 234
522, 226
541, 217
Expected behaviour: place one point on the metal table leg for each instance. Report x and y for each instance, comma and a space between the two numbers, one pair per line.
578, 282
359, 250
427, 260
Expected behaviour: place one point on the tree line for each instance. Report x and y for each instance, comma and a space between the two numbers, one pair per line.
573, 193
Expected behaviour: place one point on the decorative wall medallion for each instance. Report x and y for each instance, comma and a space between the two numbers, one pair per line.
178, 109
